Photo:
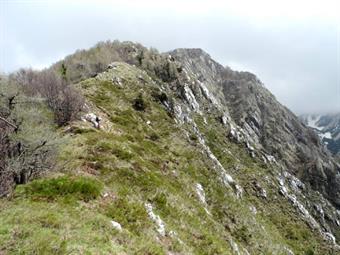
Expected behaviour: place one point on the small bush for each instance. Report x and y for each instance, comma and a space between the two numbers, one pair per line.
139, 103
193, 137
68, 106
159, 96
83, 188
243, 234
154, 137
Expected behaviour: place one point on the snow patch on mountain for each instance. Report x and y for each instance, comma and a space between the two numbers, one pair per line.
312, 121
327, 135
327, 127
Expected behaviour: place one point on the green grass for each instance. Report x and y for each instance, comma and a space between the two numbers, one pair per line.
78, 187
130, 214
37, 227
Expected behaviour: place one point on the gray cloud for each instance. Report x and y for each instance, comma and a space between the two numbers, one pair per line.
297, 58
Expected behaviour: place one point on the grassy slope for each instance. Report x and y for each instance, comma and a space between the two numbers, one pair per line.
133, 162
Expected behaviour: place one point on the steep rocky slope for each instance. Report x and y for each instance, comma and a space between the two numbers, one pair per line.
186, 157
327, 127
265, 124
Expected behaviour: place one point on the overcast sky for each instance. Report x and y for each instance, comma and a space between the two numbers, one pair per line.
291, 45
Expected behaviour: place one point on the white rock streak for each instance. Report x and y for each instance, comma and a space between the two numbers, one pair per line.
183, 116
207, 94
200, 192
190, 97
295, 185
155, 218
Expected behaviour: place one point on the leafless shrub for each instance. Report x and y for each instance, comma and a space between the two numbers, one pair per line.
27, 138
26, 77
68, 105
84, 64
64, 100
5, 176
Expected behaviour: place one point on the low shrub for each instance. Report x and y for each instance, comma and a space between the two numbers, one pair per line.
82, 188
139, 104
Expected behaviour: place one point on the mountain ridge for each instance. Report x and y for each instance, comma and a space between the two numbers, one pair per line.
192, 158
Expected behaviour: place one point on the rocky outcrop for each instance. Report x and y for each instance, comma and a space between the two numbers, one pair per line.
268, 130
260, 121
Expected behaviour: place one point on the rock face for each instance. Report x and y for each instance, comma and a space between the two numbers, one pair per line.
264, 123
328, 129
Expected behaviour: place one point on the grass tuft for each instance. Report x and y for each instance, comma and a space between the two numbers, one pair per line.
82, 188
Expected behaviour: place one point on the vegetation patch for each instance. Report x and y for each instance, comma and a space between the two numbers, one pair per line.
82, 188
130, 214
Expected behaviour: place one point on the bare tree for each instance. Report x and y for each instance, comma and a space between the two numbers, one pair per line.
5, 176
63, 99
27, 149
68, 106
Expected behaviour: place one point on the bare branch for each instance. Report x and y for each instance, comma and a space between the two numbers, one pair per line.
8, 123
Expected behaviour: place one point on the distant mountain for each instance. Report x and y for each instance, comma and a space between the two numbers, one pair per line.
327, 127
